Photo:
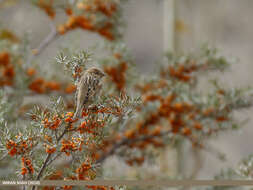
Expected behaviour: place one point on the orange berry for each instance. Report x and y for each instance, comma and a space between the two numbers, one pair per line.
181, 68
139, 160
51, 85
197, 126
70, 22
48, 138
4, 58
30, 71
221, 118
12, 152
84, 23
185, 78
151, 98
156, 131
70, 89
50, 150
23, 171
186, 131
106, 33
172, 71
61, 29
37, 85
129, 133
68, 11
117, 55
9, 72
208, 111
178, 107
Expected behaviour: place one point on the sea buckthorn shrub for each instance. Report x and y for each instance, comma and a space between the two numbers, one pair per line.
134, 115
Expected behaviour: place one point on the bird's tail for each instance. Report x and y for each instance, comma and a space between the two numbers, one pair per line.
77, 113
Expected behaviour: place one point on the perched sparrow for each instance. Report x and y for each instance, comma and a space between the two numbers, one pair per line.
87, 88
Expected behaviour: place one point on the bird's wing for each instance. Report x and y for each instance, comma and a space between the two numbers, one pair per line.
82, 89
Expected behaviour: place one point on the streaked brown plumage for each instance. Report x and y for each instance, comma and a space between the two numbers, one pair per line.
87, 88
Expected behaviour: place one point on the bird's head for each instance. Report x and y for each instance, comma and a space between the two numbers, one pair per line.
96, 72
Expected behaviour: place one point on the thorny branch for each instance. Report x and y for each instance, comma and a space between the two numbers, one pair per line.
53, 159
43, 167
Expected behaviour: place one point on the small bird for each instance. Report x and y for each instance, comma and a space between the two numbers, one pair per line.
87, 88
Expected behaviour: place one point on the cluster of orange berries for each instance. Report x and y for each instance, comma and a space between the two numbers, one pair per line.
142, 129
11, 146
74, 22
137, 160
54, 124
107, 8
115, 110
40, 86
89, 126
47, 6
117, 73
19, 148
174, 112
67, 146
7, 69
182, 72
70, 88
83, 174
151, 86
69, 117
134, 142
82, 171
27, 166
70, 120
77, 72
37, 85
90, 6
50, 149
57, 121
84, 23
48, 138
183, 118
87, 23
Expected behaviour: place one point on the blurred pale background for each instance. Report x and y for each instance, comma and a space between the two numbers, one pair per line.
225, 24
